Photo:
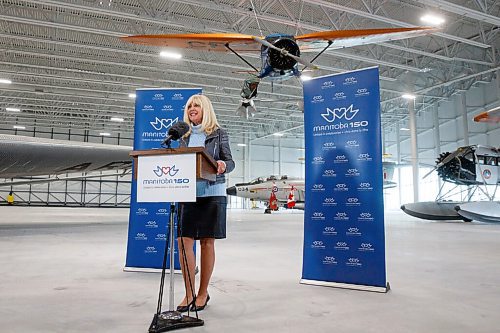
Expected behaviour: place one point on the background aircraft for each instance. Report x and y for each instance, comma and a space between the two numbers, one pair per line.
280, 53
270, 189
471, 169
263, 189
491, 116
22, 156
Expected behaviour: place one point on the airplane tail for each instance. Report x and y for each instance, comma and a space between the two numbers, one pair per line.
290, 203
246, 109
273, 201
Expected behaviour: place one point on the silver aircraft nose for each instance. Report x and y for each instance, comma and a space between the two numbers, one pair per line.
231, 190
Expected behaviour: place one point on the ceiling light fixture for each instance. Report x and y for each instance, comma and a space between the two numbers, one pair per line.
13, 109
132, 95
278, 134
104, 134
305, 77
409, 96
116, 119
242, 145
171, 55
432, 19
404, 129
6, 81
18, 127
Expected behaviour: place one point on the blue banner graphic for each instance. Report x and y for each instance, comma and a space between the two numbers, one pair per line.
155, 112
344, 242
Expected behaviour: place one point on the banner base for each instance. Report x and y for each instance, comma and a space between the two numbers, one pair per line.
347, 285
148, 270
172, 320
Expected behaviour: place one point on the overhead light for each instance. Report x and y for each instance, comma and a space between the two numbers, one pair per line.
13, 109
242, 145
278, 134
104, 134
404, 129
132, 95
19, 127
6, 81
305, 77
432, 19
408, 96
116, 119
301, 149
171, 55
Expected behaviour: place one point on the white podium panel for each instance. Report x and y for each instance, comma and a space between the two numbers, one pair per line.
166, 178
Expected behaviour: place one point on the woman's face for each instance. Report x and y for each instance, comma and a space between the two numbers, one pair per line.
195, 113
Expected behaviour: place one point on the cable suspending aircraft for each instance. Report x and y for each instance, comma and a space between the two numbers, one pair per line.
280, 53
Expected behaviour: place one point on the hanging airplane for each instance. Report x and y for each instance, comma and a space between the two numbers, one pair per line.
491, 116
22, 156
280, 53
477, 168
288, 192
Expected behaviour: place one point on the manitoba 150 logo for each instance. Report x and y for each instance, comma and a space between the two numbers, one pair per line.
340, 118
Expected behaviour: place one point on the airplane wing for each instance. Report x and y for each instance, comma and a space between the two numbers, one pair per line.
491, 116
346, 38
209, 41
22, 156
310, 42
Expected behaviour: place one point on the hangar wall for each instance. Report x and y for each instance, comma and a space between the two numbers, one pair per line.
480, 98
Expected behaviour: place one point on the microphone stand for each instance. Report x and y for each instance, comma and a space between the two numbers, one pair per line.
171, 319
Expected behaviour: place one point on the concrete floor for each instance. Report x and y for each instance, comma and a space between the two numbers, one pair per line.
61, 271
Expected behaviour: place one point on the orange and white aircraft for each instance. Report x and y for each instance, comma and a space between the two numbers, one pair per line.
280, 53
491, 116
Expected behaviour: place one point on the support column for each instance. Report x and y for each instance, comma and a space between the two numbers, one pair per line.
414, 148
248, 163
279, 157
437, 135
398, 158
465, 120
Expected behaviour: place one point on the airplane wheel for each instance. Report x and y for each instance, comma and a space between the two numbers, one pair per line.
466, 220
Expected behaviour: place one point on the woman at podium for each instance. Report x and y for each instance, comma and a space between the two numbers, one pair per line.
205, 219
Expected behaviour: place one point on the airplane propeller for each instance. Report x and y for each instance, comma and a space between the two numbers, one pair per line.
284, 52
460, 151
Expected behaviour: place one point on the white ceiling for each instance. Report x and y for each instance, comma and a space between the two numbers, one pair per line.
70, 70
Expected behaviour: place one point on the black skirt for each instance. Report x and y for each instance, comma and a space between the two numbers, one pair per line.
205, 218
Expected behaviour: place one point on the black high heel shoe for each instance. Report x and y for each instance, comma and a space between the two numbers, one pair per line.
194, 307
185, 308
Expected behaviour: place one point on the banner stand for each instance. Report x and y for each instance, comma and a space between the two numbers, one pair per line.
344, 237
156, 110
347, 286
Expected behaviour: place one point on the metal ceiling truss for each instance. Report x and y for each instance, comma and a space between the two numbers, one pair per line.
70, 69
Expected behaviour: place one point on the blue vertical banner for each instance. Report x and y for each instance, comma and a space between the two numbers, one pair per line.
156, 110
344, 241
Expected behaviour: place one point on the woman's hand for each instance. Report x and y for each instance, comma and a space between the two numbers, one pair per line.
221, 167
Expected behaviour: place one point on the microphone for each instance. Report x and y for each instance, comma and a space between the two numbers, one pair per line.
175, 132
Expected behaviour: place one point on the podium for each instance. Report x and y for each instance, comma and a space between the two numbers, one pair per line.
169, 175
206, 166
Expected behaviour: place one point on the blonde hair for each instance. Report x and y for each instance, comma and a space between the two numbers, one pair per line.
209, 121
